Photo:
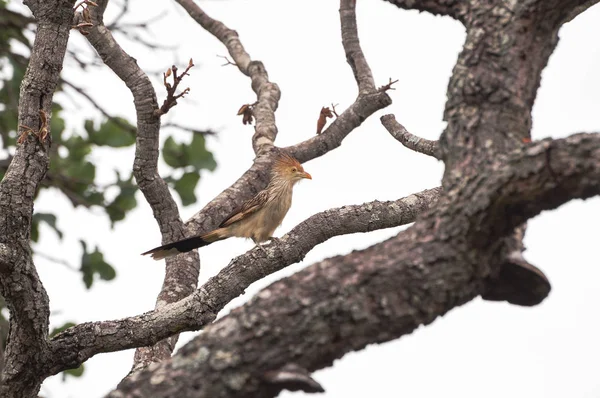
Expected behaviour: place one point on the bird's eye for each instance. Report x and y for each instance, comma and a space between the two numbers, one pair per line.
294, 169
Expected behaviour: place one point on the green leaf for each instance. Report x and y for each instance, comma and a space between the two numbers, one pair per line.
125, 200
193, 154
77, 372
174, 154
49, 219
116, 133
57, 124
199, 156
78, 148
93, 263
62, 328
185, 187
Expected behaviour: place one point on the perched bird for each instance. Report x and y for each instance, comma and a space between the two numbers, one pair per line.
258, 217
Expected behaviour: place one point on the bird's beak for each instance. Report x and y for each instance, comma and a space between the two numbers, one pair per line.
306, 175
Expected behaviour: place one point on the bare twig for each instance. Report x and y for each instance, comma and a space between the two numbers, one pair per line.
172, 98
55, 260
388, 86
267, 93
227, 61
189, 129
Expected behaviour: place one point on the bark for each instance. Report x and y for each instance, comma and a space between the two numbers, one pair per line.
79, 343
463, 248
369, 101
25, 296
456, 9
267, 93
469, 244
375, 295
181, 276
411, 141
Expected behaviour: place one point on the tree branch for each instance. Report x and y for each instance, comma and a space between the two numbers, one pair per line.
79, 343
409, 140
20, 285
580, 7
350, 119
354, 55
381, 293
182, 272
267, 93
456, 9
256, 178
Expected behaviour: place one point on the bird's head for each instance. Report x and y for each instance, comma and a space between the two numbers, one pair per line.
290, 169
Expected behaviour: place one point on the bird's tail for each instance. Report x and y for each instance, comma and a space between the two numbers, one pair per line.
185, 245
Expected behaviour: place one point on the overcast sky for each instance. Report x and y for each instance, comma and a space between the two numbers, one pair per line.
481, 349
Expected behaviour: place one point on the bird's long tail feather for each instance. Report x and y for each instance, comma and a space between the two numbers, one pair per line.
185, 245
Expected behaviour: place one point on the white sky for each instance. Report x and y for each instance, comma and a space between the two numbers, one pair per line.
482, 349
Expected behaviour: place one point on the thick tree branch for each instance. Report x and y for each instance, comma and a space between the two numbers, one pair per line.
375, 295
411, 141
490, 97
580, 7
456, 9
267, 93
20, 285
182, 272
81, 342
496, 77
560, 11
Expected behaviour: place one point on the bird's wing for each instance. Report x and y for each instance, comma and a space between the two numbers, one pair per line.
249, 207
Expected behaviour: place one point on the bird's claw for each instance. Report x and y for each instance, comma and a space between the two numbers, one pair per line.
261, 248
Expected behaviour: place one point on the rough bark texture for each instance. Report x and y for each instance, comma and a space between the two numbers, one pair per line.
378, 294
456, 9
25, 296
469, 244
83, 341
411, 141
181, 276
459, 250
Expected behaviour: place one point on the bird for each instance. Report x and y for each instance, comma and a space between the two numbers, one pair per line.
256, 219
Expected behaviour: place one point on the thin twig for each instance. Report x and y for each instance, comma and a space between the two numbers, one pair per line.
172, 98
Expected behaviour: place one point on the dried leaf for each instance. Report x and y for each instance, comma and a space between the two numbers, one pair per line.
248, 116
168, 72
86, 15
323, 116
243, 109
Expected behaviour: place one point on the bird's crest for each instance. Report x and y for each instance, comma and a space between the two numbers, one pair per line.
285, 161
